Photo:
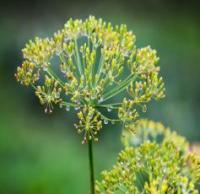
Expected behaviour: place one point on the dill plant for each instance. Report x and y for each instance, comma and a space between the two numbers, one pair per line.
153, 161
91, 65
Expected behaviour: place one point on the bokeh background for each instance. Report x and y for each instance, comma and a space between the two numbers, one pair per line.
42, 154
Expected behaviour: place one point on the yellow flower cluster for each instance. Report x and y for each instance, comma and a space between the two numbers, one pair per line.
49, 93
92, 62
89, 123
154, 166
145, 130
27, 74
39, 52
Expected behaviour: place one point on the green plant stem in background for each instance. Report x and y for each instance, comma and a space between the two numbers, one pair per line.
90, 152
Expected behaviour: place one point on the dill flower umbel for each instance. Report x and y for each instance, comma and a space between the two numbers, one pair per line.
147, 130
153, 166
86, 65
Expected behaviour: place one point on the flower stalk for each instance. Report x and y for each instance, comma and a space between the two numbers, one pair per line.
91, 166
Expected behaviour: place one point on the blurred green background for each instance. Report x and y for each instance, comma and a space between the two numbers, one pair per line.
42, 154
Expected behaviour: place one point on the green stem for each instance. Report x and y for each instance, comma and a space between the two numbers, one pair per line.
123, 85
90, 152
78, 57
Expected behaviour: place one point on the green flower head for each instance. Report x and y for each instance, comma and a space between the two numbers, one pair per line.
92, 65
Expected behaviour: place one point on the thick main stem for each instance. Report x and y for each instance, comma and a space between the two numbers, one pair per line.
90, 152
